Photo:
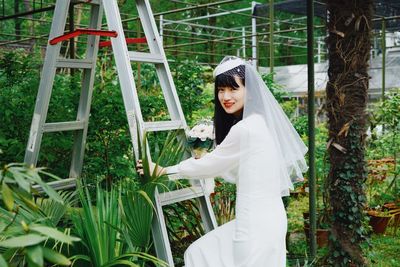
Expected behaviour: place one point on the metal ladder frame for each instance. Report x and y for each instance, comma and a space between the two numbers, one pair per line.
53, 61
123, 59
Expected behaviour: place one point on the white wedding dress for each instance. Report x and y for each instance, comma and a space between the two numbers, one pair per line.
256, 238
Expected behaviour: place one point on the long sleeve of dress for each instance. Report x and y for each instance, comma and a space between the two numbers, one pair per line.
219, 162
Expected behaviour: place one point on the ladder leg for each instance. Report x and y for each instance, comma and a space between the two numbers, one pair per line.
160, 234
46, 83
207, 213
163, 71
125, 75
86, 93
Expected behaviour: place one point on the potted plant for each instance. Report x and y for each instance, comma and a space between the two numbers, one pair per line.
323, 227
379, 194
323, 224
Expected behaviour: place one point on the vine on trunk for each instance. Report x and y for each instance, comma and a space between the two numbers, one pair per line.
349, 26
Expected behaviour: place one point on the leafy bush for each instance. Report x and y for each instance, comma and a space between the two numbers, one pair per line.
27, 225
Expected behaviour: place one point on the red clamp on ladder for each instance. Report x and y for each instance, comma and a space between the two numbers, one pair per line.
128, 41
78, 32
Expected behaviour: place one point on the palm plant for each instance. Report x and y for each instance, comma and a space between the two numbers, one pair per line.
124, 211
99, 227
137, 203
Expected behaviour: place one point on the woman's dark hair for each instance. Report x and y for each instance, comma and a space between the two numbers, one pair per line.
222, 120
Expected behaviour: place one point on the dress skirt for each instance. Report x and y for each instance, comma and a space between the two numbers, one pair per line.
256, 238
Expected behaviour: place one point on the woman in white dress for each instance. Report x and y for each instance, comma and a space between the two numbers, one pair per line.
259, 150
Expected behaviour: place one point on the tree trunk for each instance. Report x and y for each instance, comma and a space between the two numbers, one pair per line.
349, 26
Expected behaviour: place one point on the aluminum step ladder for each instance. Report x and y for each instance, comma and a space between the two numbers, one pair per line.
123, 59
52, 61
156, 56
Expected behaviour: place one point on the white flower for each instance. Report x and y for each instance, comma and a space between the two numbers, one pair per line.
202, 131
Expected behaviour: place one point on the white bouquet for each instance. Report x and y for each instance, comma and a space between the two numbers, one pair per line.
201, 137
200, 140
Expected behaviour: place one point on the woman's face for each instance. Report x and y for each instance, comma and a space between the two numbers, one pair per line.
232, 99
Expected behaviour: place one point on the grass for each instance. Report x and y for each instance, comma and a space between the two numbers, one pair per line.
384, 250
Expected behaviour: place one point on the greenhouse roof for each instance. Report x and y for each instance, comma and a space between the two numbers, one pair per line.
293, 78
389, 9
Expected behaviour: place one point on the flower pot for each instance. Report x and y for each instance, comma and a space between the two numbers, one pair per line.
322, 236
378, 221
394, 210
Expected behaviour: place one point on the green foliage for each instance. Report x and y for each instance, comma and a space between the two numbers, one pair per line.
98, 226
16, 101
301, 125
28, 228
288, 105
383, 250
386, 113
108, 154
189, 82
350, 216
19, 82
223, 201
383, 151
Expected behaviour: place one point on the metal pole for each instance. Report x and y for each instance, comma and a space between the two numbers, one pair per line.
244, 42
311, 127
254, 36
319, 50
72, 40
162, 29
383, 58
214, 15
17, 21
271, 37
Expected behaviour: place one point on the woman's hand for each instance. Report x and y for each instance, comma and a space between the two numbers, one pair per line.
152, 165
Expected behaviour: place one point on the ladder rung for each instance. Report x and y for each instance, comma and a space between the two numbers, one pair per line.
145, 57
156, 126
58, 185
171, 197
74, 63
63, 126
92, 2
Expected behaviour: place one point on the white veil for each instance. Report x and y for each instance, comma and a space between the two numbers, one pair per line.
259, 100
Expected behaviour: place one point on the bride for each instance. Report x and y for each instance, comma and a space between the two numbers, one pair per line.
259, 150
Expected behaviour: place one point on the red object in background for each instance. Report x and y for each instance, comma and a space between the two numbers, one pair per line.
128, 41
78, 32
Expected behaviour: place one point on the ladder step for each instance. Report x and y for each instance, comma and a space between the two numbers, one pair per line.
58, 185
74, 63
145, 57
91, 2
63, 126
171, 197
156, 126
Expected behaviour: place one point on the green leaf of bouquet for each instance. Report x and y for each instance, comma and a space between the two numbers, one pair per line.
8, 196
22, 241
55, 257
35, 256
54, 234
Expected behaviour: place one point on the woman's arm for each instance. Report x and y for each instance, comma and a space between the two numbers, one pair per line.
222, 159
